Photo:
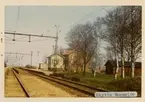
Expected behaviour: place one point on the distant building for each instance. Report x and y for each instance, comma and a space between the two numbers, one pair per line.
100, 69
43, 66
73, 61
111, 68
56, 61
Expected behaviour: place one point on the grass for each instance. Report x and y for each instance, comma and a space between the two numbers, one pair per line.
108, 82
100, 80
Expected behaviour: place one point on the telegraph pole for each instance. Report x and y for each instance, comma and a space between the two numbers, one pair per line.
31, 57
56, 46
10, 53
19, 61
38, 58
22, 60
56, 40
30, 35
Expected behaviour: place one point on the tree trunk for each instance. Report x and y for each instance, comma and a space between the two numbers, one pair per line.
132, 47
116, 59
84, 67
133, 67
76, 68
123, 72
95, 73
122, 57
116, 73
132, 61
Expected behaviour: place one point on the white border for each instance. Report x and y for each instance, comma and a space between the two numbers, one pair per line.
67, 2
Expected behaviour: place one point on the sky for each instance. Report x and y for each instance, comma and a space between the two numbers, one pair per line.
42, 20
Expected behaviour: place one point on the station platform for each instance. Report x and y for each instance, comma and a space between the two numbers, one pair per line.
41, 70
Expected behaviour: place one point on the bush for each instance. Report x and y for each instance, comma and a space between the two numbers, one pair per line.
54, 70
67, 77
57, 75
128, 84
75, 79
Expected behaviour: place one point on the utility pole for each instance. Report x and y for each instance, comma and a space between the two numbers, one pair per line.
56, 46
22, 60
19, 61
56, 40
10, 53
38, 58
31, 57
29, 35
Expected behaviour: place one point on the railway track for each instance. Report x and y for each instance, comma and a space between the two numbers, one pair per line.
20, 82
13, 85
35, 89
89, 90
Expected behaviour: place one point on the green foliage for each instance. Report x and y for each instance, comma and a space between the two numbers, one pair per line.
75, 79
128, 84
57, 74
107, 81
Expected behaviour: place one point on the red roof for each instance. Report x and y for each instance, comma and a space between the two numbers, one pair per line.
67, 52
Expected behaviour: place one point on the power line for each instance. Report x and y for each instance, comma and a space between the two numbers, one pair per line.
8, 37
42, 39
17, 53
17, 18
9, 43
12, 61
29, 34
92, 12
28, 41
84, 17
21, 54
21, 38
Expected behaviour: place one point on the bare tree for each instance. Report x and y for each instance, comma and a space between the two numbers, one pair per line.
97, 62
123, 32
114, 23
134, 33
84, 39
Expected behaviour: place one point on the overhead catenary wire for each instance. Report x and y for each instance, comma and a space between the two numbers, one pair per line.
21, 38
14, 61
9, 43
8, 37
90, 13
40, 40
17, 19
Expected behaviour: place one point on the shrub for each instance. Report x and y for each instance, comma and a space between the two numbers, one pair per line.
128, 84
57, 75
75, 79
54, 70
67, 77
